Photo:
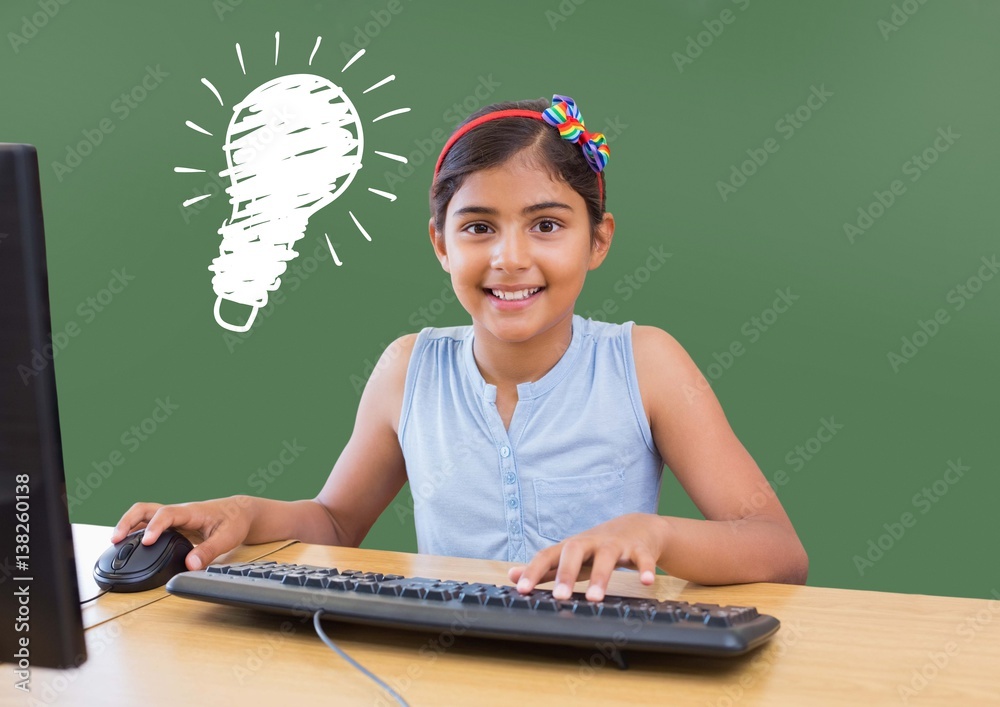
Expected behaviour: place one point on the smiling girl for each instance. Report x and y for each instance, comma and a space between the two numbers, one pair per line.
532, 435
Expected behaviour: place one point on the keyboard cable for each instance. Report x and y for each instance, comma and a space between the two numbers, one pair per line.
349, 659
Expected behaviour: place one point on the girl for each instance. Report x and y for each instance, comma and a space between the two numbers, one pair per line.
532, 436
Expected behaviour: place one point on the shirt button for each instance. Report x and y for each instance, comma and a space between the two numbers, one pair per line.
515, 528
512, 502
504, 452
510, 477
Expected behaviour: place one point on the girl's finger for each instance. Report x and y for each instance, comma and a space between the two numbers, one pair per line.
134, 518
571, 558
540, 569
645, 563
164, 518
605, 560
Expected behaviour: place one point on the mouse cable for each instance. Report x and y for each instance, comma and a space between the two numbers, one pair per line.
349, 659
103, 592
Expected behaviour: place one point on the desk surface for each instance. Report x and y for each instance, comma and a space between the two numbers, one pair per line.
834, 646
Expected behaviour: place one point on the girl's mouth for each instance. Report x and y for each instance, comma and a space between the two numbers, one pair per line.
513, 300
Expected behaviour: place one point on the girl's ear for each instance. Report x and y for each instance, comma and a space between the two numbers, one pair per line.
603, 235
437, 240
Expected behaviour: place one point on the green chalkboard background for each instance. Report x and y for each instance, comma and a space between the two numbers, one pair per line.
687, 92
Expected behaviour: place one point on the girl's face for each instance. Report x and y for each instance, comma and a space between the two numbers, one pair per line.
513, 228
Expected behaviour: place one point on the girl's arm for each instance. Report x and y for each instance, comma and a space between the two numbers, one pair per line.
746, 535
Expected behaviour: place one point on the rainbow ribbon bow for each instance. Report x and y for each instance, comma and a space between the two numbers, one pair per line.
566, 117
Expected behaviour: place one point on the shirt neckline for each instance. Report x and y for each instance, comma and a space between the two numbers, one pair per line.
534, 389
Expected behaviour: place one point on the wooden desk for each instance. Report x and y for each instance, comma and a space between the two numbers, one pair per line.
834, 647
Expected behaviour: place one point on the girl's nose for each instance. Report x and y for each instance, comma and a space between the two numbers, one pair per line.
511, 252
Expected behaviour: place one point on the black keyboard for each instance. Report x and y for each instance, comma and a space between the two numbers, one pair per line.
484, 610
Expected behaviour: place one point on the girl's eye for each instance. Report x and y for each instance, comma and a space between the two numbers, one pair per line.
547, 226
478, 228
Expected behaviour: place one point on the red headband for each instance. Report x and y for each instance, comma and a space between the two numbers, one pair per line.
510, 113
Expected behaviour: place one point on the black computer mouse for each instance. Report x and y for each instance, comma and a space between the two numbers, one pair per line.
130, 566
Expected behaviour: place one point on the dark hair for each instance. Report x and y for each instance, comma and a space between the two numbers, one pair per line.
496, 141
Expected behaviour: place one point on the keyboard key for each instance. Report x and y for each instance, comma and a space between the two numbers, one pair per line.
605, 609
317, 579
498, 600
476, 588
719, 617
743, 614
694, 614
663, 616
298, 578
443, 594
341, 582
644, 611
325, 571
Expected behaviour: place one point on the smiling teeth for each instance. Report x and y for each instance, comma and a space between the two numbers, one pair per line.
520, 294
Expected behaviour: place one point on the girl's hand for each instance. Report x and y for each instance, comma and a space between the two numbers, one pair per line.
634, 540
223, 523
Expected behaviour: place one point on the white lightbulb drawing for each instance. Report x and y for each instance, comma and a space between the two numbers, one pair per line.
290, 152
292, 146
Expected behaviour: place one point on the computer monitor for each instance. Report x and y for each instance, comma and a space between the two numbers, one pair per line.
40, 616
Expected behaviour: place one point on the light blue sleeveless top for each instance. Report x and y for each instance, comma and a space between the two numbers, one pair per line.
579, 450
